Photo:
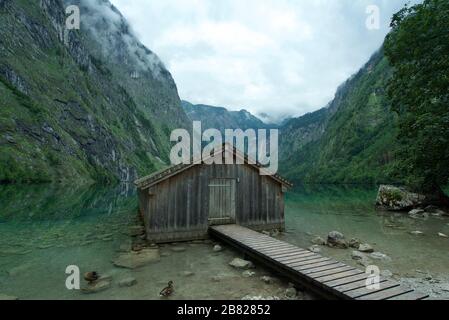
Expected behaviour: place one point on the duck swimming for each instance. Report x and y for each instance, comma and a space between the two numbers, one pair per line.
91, 276
167, 291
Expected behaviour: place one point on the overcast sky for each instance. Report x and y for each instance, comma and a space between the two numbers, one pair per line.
280, 57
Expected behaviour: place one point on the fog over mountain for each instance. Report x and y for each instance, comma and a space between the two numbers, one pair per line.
279, 57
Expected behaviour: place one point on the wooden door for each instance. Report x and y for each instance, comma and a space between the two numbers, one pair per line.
222, 194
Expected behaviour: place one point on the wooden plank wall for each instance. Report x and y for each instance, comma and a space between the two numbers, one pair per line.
178, 208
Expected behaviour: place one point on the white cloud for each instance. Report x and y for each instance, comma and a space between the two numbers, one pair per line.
280, 57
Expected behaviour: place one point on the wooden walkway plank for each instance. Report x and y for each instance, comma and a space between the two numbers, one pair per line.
386, 294
347, 280
354, 285
319, 273
356, 293
331, 272
410, 296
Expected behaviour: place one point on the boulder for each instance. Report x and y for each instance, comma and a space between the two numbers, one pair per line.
354, 243
218, 248
336, 239
318, 241
127, 282
134, 260
398, 199
366, 248
241, 264
96, 287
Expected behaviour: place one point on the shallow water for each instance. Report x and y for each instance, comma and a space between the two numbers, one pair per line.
312, 211
43, 229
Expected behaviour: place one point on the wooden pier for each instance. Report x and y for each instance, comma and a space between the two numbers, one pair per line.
325, 277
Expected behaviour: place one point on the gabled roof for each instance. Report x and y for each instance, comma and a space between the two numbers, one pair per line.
167, 173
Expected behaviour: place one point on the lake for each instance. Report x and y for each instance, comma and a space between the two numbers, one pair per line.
44, 229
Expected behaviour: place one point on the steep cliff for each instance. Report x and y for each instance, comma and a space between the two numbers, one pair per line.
353, 140
91, 104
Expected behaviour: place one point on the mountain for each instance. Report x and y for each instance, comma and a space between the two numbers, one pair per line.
221, 118
352, 140
91, 105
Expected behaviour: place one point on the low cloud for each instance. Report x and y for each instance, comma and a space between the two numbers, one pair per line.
278, 57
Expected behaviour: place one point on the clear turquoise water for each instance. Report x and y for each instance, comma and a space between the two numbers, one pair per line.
43, 229
317, 210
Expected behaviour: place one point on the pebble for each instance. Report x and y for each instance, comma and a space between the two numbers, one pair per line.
248, 274
218, 248
442, 235
267, 279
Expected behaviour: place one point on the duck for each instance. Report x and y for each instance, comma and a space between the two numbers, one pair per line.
91, 276
167, 291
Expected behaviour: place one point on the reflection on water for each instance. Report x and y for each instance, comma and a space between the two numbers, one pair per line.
318, 210
44, 229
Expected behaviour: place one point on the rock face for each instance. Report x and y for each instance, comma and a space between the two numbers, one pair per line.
222, 119
336, 239
112, 118
134, 260
398, 199
241, 264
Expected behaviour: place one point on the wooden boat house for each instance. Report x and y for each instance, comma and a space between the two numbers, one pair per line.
181, 202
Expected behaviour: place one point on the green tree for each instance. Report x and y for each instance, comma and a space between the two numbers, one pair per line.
418, 49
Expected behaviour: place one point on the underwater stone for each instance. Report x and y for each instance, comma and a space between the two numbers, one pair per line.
134, 260
128, 282
96, 287
241, 264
